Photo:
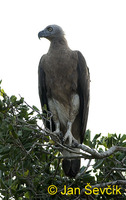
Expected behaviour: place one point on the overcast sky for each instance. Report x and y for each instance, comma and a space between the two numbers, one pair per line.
95, 27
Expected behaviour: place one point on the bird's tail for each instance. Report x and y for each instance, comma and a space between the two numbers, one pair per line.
71, 166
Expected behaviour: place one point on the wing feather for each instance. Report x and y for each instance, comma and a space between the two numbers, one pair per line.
84, 92
42, 85
43, 92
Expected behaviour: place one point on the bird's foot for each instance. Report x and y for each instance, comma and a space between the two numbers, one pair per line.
72, 141
58, 134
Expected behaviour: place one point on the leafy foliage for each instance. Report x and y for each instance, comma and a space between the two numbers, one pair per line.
30, 163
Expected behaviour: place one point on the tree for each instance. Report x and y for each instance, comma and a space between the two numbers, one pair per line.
30, 159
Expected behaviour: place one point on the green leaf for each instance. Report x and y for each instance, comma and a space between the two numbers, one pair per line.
14, 186
82, 169
98, 164
35, 108
13, 99
123, 138
45, 107
26, 173
27, 195
94, 141
2, 167
87, 138
2, 184
14, 134
2, 92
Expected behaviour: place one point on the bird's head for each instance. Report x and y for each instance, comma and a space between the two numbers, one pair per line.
51, 32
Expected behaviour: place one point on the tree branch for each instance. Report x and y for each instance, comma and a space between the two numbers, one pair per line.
86, 153
94, 154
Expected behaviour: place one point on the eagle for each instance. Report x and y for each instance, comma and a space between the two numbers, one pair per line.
64, 85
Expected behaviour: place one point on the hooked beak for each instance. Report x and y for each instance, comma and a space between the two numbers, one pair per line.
41, 34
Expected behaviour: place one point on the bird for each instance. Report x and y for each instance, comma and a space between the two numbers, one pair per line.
64, 87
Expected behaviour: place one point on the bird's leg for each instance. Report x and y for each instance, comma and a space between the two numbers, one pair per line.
55, 117
57, 126
75, 103
69, 136
57, 131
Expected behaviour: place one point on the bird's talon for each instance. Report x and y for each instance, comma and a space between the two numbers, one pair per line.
58, 134
72, 141
75, 144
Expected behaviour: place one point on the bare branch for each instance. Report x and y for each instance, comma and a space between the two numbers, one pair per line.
95, 154
118, 169
103, 185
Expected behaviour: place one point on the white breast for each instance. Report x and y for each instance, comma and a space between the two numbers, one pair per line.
65, 113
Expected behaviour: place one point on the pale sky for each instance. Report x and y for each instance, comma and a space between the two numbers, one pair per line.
97, 28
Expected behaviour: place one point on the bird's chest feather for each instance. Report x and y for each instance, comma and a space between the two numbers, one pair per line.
61, 73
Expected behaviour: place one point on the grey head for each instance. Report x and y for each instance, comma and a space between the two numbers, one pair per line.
51, 32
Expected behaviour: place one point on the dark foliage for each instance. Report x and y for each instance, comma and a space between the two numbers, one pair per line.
30, 162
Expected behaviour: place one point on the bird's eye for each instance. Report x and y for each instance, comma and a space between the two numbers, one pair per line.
50, 29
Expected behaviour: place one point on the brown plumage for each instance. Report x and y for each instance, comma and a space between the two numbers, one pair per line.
64, 87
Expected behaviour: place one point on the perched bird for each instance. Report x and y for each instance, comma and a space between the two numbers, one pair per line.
64, 81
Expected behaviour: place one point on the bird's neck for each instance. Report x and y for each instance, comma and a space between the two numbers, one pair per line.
58, 43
